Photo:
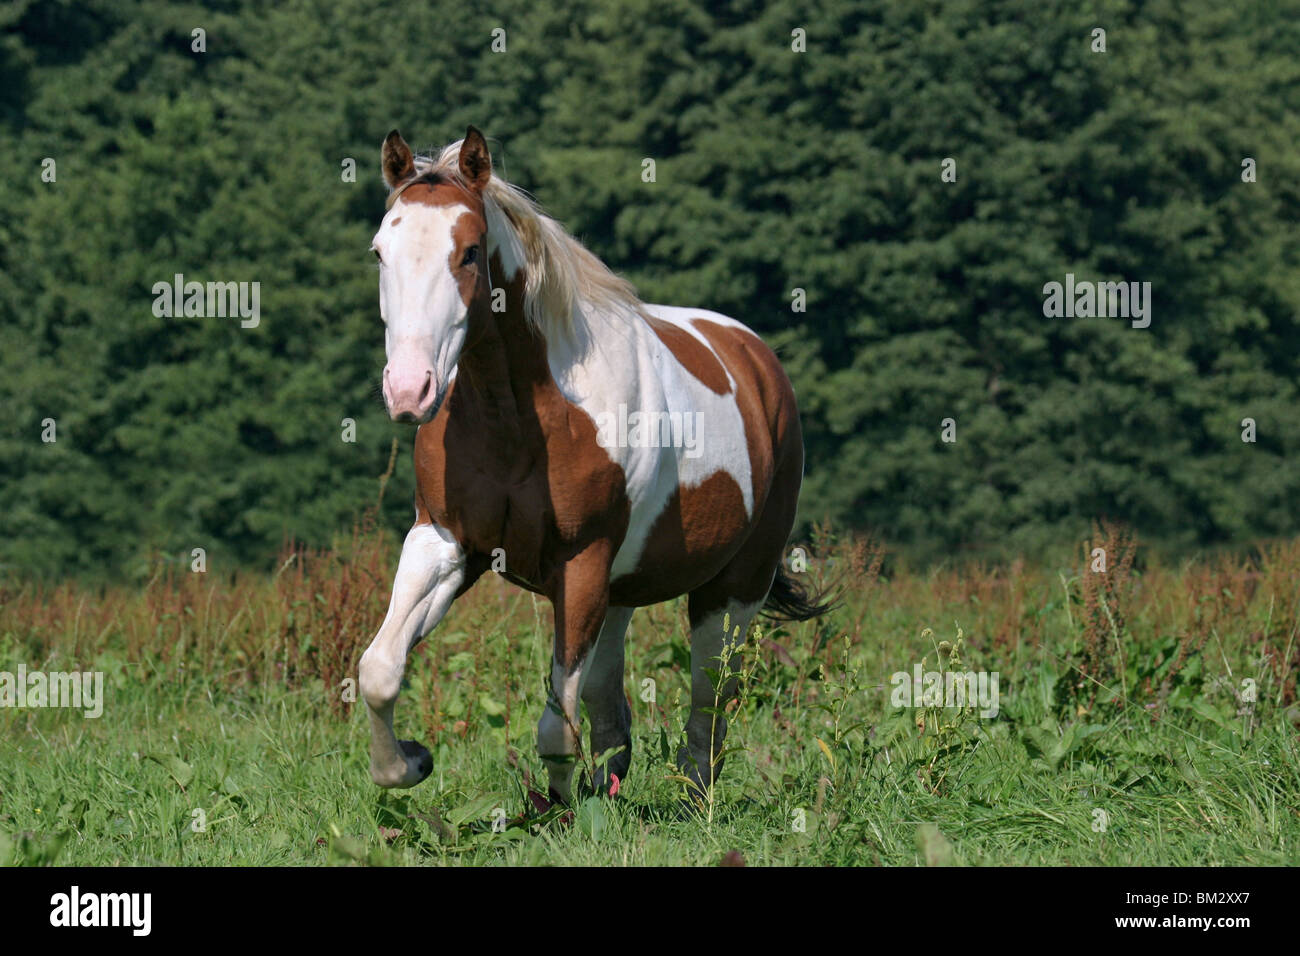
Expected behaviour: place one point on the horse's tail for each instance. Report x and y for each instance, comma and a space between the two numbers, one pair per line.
791, 601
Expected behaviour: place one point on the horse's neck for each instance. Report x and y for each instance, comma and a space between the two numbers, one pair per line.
516, 383
496, 377
505, 381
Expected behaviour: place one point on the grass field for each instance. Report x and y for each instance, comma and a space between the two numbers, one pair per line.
1147, 715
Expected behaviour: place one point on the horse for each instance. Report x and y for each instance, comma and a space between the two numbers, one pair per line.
599, 451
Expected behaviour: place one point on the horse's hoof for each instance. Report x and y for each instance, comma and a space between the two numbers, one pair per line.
694, 770
418, 760
417, 764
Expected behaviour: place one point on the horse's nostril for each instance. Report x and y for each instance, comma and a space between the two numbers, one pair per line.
428, 383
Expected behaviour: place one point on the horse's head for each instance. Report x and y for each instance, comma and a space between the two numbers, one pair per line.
433, 279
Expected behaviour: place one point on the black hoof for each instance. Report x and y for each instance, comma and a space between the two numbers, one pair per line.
420, 754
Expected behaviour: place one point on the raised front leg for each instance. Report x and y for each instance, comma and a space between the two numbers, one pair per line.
580, 606
429, 576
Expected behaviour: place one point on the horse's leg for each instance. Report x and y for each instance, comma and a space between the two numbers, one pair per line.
607, 706
739, 589
706, 729
580, 604
429, 575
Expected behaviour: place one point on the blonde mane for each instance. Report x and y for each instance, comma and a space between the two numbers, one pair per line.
564, 279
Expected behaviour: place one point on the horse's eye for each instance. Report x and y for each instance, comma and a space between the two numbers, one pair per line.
471, 256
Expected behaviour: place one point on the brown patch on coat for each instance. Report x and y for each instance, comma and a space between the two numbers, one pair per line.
467, 232
693, 538
437, 189
692, 354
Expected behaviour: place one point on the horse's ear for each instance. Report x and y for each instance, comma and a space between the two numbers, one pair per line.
475, 160
396, 158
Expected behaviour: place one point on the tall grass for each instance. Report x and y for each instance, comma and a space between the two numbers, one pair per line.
1161, 696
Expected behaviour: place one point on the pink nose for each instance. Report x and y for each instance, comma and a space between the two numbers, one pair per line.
409, 392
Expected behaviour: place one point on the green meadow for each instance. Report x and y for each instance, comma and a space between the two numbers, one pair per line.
1145, 715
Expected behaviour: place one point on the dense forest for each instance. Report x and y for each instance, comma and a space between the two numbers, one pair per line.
884, 190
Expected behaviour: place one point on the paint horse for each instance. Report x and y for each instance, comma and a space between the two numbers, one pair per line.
613, 454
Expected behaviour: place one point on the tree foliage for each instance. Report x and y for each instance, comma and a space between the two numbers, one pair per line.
776, 170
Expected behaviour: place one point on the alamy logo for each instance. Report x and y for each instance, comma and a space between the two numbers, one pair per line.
216, 299
950, 689
103, 909
651, 429
1083, 300
82, 691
